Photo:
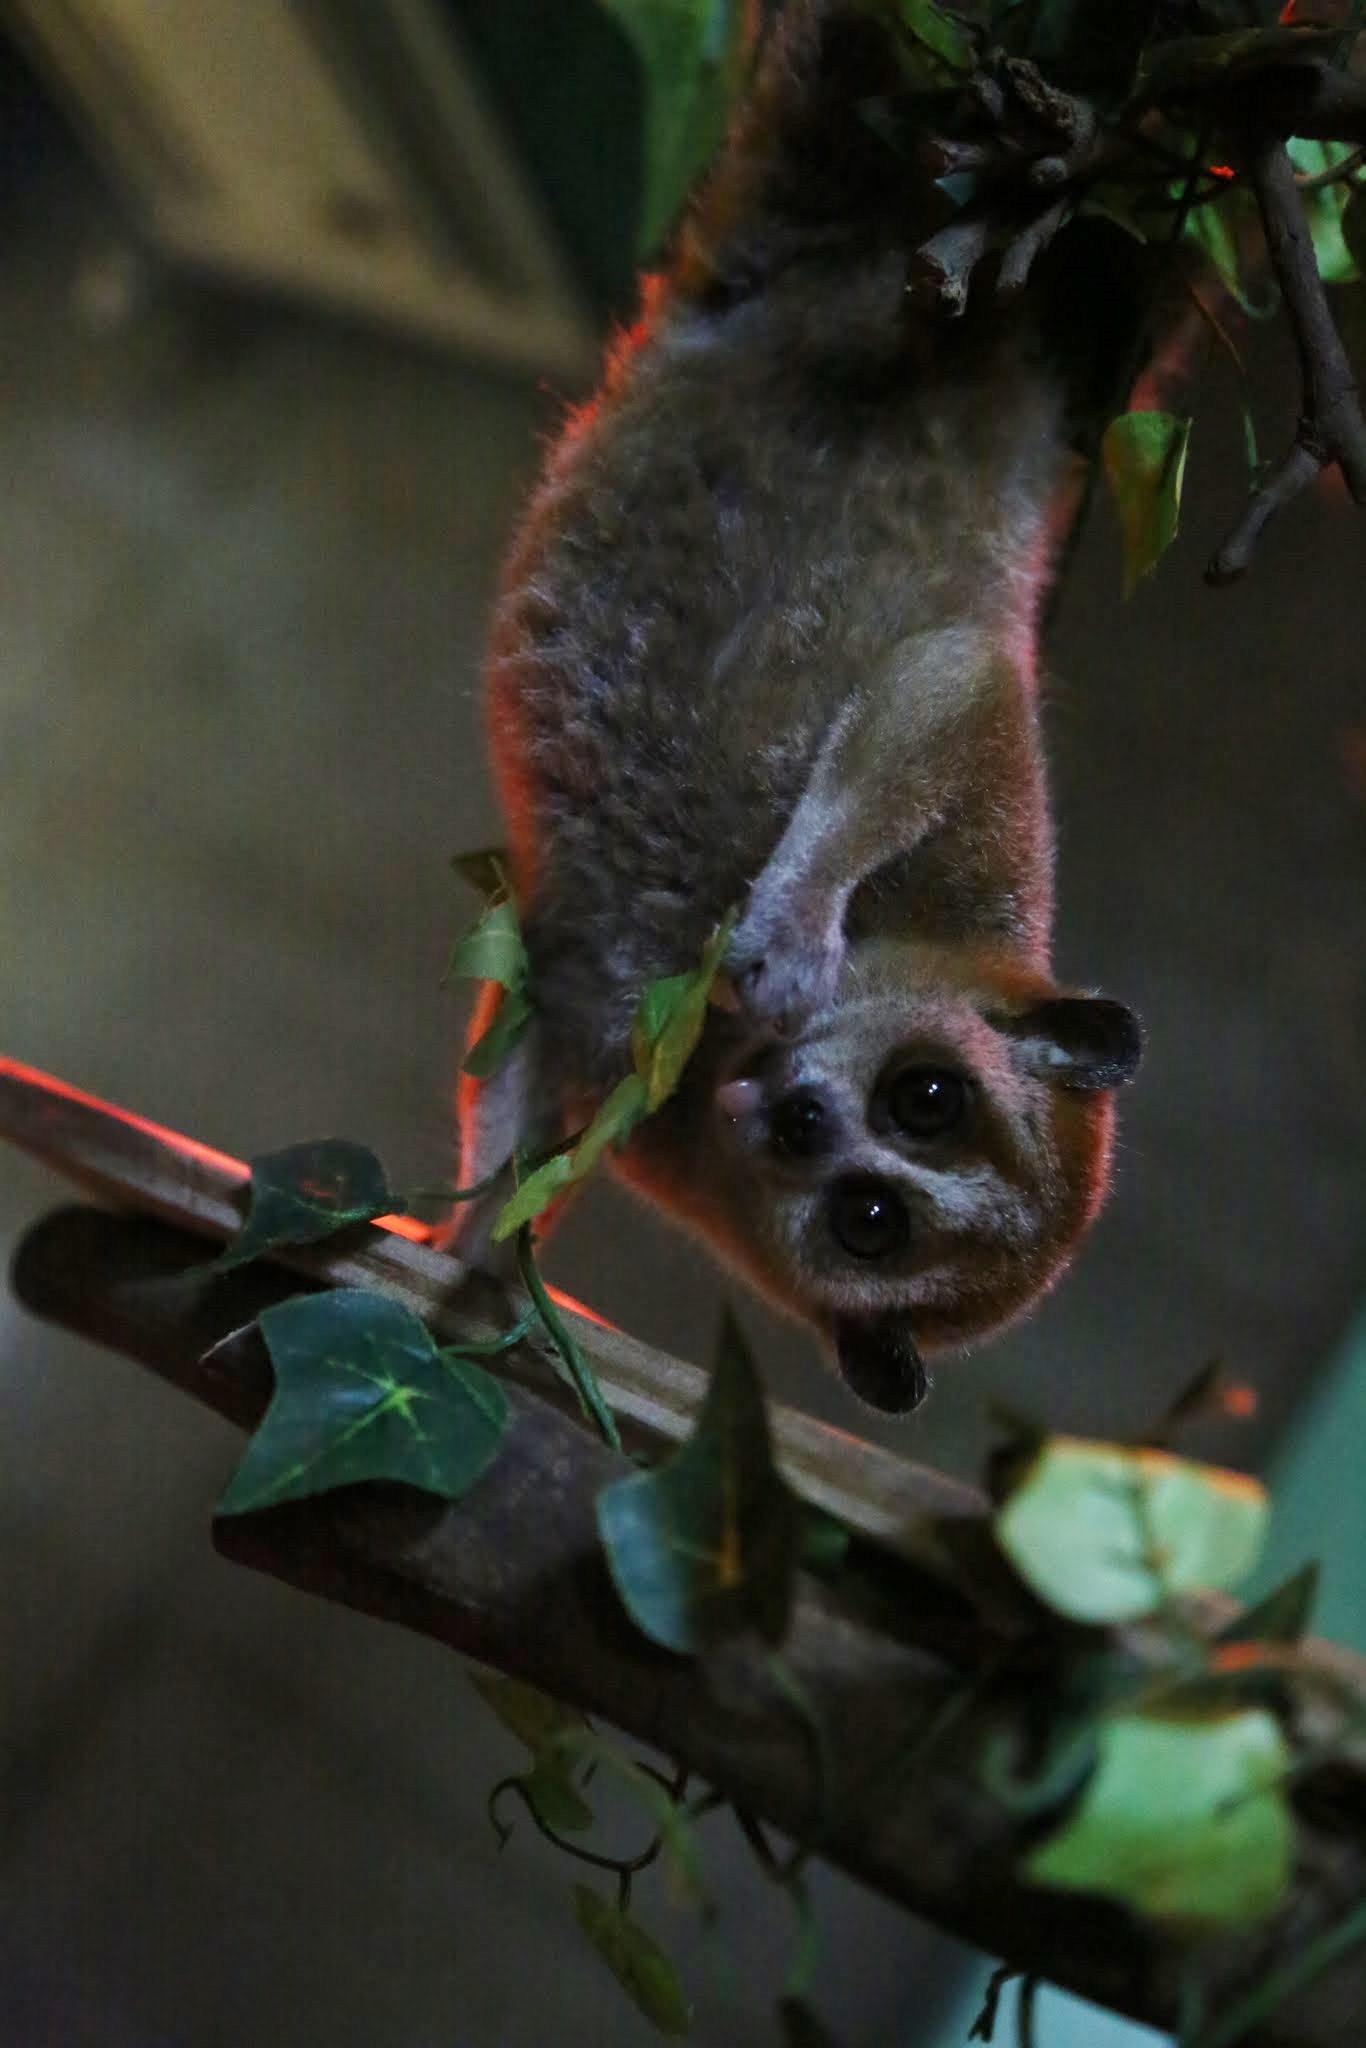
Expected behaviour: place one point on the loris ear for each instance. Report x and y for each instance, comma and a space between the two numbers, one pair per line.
1087, 1043
880, 1363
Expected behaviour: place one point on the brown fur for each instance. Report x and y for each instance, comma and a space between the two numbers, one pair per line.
767, 638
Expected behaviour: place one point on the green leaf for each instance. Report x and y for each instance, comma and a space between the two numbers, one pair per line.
532, 1716
556, 1799
704, 1545
940, 31
1183, 1819
361, 1392
1221, 229
671, 1015
492, 1047
534, 1194
635, 1959
671, 1823
1103, 1534
492, 950
307, 1192
691, 55
1144, 454
486, 870
1324, 209
1282, 1617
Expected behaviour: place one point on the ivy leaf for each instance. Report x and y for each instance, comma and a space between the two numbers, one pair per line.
670, 1018
691, 56
635, 1959
361, 1392
1144, 454
1183, 1819
307, 1192
704, 1545
1103, 1534
1282, 1617
492, 950
1325, 209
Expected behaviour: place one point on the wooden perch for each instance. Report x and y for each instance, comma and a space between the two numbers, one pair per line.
514, 1574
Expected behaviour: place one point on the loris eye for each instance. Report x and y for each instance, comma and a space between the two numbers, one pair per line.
925, 1102
867, 1218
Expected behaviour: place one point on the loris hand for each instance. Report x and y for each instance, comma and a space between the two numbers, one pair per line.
784, 961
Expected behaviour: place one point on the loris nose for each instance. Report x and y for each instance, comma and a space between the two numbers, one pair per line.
800, 1126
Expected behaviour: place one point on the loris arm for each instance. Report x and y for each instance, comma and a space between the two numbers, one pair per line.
891, 770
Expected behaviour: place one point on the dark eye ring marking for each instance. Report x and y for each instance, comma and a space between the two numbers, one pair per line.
867, 1217
928, 1102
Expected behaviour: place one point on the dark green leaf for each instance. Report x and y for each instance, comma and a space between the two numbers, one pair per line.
940, 31
691, 55
635, 1959
308, 1192
1144, 454
802, 2027
824, 1542
1227, 233
1103, 1534
705, 1544
491, 950
1282, 1617
1183, 1819
361, 1392
486, 870
492, 1047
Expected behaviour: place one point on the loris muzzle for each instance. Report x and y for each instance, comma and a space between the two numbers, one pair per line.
767, 639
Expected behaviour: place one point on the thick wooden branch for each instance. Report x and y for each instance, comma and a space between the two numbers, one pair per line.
514, 1575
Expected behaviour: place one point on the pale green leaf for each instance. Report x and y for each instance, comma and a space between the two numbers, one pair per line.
1183, 1819
1325, 208
635, 1959
1144, 454
492, 950
1103, 1534
670, 1018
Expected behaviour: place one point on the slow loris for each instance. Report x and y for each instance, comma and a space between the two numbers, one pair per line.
767, 638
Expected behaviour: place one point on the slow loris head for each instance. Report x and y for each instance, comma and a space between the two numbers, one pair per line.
916, 1167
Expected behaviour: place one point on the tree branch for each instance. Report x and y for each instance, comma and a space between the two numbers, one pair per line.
1331, 428
514, 1575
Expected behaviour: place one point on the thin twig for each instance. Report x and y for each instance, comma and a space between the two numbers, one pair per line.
1331, 428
